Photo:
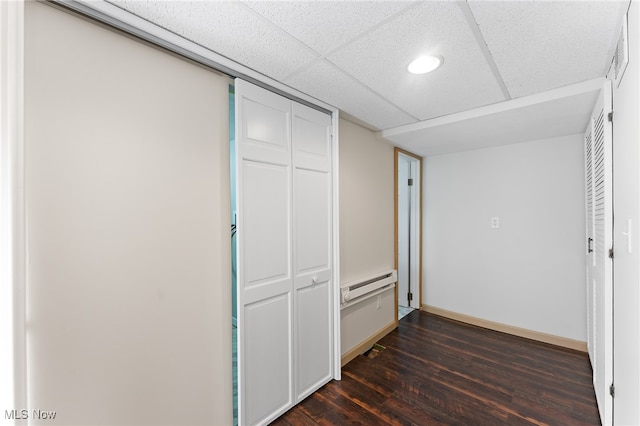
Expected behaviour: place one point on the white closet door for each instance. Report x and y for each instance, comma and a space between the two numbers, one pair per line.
600, 265
265, 283
590, 232
312, 249
285, 287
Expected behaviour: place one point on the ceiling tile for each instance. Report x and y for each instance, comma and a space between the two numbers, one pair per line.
324, 81
539, 45
325, 25
379, 59
536, 46
228, 28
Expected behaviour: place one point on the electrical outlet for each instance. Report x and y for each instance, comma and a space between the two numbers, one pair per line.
495, 222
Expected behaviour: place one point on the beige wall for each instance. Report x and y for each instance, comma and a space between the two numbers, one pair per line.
366, 228
127, 191
366, 203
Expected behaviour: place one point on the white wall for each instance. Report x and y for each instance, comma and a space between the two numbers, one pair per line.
529, 273
127, 187
626, 205
366, 228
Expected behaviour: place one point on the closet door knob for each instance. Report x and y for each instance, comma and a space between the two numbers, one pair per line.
315, 279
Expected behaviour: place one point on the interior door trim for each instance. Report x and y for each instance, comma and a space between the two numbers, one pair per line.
396, 152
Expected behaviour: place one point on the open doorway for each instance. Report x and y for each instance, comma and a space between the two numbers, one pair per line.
408, 212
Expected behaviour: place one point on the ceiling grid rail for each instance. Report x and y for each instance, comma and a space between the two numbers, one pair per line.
484, 48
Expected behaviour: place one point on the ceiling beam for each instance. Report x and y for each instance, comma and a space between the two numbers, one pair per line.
550, 95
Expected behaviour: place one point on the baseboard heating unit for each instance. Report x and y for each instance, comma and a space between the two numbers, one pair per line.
356, 292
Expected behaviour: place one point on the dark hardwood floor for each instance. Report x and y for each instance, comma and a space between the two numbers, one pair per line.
436, 371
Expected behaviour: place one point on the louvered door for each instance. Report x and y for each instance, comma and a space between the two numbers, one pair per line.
599, 215
590, 232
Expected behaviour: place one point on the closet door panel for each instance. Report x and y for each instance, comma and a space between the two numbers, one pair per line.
312, 249
313, 337
312, 221
265, 283
266, 218
267, 376
266, 128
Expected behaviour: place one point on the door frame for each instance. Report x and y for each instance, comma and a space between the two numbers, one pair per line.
396, 154
13, 260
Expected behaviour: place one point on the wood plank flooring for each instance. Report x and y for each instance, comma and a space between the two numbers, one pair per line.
436, 371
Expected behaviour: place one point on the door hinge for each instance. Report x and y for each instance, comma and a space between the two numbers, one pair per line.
611, 253
410, 182
409, 296
612, 391
610, 117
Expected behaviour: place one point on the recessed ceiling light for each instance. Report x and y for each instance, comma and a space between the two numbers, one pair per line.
425, 64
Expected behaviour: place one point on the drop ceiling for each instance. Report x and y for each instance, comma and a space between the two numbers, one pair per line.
353, 54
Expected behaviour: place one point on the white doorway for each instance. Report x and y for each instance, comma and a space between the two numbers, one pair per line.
408, 230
